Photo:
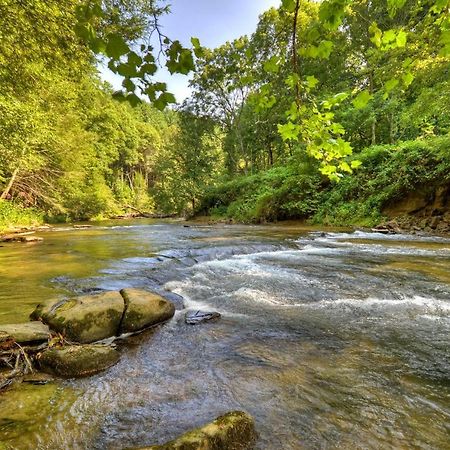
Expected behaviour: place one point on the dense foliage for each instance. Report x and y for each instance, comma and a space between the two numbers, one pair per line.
67, 147
388, 173
313, 116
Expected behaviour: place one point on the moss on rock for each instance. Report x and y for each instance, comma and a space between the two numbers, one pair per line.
232, 431
144, 309
26, 332
84, 319
78, 361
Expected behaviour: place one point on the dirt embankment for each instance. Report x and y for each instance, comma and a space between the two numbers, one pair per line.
425, 209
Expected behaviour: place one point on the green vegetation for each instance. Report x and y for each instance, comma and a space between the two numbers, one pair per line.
12, 214
330, 111
388, 173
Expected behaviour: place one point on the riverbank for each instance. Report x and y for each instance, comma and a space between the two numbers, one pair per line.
408, 182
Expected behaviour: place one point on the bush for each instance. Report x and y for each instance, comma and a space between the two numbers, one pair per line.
388, 173
277, 194
14, 214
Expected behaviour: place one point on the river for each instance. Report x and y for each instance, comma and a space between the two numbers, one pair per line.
329, 339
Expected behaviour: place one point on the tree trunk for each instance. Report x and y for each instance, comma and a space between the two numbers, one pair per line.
10, 184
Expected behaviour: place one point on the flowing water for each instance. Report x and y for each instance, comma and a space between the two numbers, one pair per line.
329, 339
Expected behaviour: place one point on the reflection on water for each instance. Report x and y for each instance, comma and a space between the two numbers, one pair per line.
330, 340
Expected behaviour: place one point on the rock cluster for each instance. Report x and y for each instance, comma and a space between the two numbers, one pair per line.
77, 323
92, 318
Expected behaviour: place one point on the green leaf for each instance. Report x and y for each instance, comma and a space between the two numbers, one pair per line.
292, 80
394, 6
195, 42
355, 164
407, 79
116, 46
289, 131
388, 37
163, 100
391, 85
343, 165
133, 99
324, 49
272, 65
377, 34
311, 81
339, 98
288, 5
128, 85
134, 59
97, 45
331, 13
148, 69
127, 70
362, 99
401, 39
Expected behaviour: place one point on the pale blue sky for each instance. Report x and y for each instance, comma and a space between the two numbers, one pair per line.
212, 21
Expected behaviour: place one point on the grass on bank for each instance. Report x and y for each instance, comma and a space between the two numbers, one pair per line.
15, 215
388, 174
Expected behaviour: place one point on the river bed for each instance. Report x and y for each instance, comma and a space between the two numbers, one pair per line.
328, 338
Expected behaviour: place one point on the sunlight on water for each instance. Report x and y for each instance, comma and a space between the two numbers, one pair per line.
329, 339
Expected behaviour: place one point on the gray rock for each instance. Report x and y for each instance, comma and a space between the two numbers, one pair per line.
77, 361
144, 309
26, 332
196, 317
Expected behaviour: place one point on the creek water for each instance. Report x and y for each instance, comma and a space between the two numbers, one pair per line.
329, 339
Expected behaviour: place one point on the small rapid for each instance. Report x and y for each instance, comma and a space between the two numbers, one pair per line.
330, 339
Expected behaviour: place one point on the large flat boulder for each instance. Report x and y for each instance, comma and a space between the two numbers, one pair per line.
78, 360
84, 319
144, 309
232, 431
29, 332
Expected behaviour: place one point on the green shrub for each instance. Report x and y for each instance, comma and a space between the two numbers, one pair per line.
388, 173
14, 214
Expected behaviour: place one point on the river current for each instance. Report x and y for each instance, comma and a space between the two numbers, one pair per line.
329, 339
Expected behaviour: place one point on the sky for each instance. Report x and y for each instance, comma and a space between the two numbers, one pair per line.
212, 21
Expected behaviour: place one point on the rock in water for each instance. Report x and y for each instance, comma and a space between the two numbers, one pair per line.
84, 319
232, 431
29, 332
78, 361
195, 317
144, 309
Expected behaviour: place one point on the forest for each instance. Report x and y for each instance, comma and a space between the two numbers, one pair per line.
331, 112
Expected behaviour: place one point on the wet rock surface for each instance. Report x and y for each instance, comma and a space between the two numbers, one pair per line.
78, 361
84, 319
196, 317
232, 431
144, 309
92, 318
31, 332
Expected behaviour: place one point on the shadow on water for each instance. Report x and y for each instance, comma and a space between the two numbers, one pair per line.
330, 340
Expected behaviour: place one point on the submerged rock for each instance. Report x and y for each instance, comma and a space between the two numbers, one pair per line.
144, 309
84, 319
78, 361
232, 431
29, 332
196, 317
21, 237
